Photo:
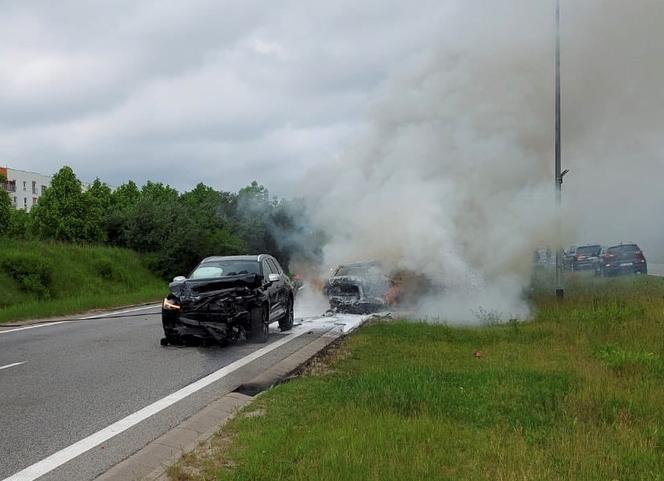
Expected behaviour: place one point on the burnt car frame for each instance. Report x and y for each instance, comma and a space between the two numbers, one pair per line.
226, 299
358, 288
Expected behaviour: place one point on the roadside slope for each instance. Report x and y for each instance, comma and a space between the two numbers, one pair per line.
41, 279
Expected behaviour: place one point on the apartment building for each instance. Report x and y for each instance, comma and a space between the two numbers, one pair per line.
24, 188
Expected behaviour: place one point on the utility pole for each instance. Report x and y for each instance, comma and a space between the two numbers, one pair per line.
560, 291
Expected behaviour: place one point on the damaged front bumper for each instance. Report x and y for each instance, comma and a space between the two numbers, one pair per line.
180, 327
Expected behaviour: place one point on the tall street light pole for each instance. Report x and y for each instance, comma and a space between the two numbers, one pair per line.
560, 291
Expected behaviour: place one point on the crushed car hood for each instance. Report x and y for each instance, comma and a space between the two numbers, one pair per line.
205, 287
218, 300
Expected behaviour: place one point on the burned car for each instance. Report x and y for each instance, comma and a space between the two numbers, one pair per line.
366, 287
226, 299
358, 288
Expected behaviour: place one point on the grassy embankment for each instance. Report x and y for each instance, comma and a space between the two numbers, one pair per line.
576, 394
39, 279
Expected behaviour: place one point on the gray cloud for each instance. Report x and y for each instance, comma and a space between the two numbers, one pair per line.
215, 91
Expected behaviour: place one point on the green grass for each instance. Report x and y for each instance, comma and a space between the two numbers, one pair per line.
578, 393
39, 279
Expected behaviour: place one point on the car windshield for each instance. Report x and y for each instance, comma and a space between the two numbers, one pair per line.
359, 270
588, 250
215, 269
626, 249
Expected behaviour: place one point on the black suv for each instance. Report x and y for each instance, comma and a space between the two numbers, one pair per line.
226, 298
582, 258
623, 259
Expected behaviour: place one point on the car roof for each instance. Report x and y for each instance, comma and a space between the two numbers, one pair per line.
254, 258
624, 244
361, 264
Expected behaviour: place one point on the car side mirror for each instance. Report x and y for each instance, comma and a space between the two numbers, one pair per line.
273, 278
179, 279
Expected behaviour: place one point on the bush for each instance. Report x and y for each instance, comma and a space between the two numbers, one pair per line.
105, 269
32, 273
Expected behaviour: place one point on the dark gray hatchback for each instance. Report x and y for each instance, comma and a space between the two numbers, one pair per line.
623, 259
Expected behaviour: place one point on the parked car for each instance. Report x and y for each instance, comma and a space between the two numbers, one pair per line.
543, 257
582, 258
623, 259
227, 298
567, 257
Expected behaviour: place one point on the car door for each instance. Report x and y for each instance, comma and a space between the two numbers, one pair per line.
271, 289
287, 288
280, 288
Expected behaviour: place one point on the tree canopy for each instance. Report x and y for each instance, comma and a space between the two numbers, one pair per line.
173, 230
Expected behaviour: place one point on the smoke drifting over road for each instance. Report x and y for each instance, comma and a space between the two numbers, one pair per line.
454, 177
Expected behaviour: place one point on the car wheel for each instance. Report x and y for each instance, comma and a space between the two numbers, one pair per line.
286, 324
260, 324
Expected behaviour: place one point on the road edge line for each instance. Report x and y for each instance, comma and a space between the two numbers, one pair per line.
63, 456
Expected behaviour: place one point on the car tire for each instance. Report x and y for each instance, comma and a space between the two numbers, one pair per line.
286, 324
260, 324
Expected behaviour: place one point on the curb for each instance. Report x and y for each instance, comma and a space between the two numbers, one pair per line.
152, 461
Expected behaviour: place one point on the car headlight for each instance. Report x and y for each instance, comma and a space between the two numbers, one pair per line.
170, 305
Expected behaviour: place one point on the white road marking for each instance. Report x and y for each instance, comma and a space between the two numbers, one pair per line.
117, 313
12, 365
108, 314
67, 454
34, 326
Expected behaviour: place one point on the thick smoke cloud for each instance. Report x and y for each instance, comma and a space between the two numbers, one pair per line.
455, 177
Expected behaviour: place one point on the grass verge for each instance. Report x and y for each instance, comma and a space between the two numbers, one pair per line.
39, 279
577, 393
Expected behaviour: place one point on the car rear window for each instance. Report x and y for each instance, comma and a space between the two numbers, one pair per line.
588, 250
624, 249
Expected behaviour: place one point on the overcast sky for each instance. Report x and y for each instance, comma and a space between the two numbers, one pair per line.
181, 92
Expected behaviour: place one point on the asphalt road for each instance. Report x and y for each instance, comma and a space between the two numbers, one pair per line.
64, 382
656, 269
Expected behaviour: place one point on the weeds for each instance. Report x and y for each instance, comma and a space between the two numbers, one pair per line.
41, 279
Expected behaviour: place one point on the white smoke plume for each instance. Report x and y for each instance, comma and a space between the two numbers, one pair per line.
454, 177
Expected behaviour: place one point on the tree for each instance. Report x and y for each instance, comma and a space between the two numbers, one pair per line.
98, 201
61, 213
20, 224
251, 215
159, 192
122, 201
125, 196
5, 206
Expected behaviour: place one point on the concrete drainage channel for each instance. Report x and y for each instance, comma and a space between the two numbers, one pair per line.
151, 462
